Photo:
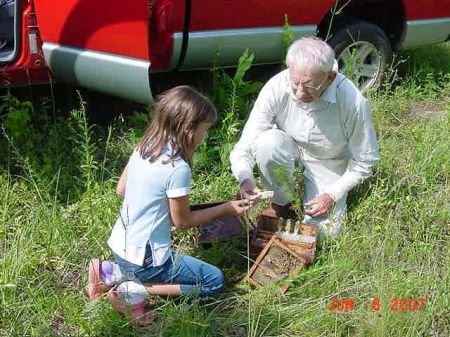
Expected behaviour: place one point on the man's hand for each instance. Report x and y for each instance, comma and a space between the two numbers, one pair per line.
319, 206
249, 190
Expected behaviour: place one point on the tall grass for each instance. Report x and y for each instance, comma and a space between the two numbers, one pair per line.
58, 203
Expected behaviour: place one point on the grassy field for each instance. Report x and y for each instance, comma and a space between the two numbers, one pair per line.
58, 174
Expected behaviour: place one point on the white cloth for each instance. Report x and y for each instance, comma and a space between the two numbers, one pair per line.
276, 155
132, 292
334, 131
145, 214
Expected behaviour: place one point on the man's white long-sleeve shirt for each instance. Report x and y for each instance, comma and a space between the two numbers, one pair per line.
336, 127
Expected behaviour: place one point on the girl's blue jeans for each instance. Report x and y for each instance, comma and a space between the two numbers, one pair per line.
193, 275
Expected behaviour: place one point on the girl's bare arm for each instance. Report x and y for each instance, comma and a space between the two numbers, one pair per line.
183, 217
120, 189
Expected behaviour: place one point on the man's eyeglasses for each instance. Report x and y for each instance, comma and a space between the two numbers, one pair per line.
307, 87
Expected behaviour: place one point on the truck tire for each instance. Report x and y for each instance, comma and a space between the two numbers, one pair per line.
363, 52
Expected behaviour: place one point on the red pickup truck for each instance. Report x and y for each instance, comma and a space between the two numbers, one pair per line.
115, 46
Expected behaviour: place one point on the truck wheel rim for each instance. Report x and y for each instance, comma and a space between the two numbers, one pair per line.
360, 62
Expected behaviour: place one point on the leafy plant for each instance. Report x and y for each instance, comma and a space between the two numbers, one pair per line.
288, 35
16, 121
84, 149
231, 97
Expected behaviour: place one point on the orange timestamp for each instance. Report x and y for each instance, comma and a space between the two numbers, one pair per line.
396, 304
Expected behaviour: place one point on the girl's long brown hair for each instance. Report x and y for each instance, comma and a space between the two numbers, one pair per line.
177, 114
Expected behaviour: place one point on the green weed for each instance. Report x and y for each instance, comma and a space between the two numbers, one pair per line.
231, 97
58, 203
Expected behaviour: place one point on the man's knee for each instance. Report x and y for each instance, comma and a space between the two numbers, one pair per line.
273, 145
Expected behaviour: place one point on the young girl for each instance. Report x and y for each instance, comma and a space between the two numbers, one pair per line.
155, 185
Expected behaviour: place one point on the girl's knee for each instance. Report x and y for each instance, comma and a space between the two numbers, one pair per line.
214, 281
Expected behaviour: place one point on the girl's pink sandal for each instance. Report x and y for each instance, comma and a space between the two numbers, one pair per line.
96, 287
139, 315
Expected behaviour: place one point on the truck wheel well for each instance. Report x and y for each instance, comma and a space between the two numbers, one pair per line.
389, 15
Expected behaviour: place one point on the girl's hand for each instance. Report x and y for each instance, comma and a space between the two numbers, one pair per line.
238, 207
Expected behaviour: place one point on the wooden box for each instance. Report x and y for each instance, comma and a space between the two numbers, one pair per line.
221, 229
281, 254
260, 237
275, 262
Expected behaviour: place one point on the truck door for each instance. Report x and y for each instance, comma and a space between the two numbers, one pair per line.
221, 30
9, 31
102, 45
21, 60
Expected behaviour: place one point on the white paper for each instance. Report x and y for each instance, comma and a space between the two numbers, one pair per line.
266, 194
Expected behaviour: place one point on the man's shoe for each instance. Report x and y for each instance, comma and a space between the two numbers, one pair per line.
268, 220
278, 211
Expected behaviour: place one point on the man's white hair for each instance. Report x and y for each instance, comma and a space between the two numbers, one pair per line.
310, 53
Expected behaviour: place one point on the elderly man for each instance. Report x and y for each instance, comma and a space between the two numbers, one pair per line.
308, 115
